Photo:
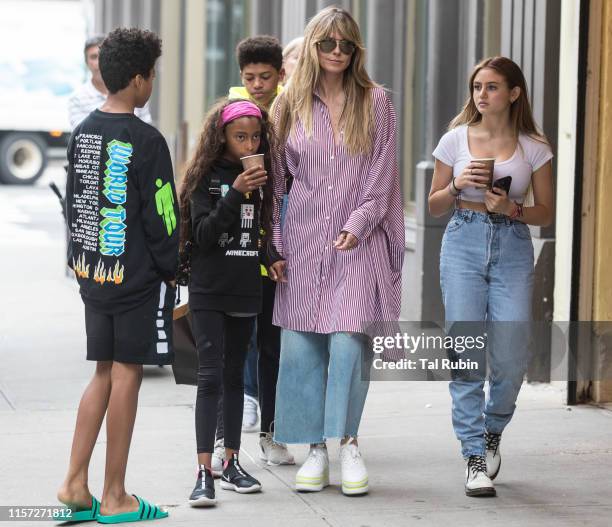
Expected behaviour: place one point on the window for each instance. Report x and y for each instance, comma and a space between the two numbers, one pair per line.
414, 97
226, 25
395, 32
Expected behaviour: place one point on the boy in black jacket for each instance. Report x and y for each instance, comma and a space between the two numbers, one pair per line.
122, 214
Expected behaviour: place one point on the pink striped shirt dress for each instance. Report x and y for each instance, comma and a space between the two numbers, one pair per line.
327, 290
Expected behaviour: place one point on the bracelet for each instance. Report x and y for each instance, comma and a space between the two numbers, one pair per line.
452, 187
517, 212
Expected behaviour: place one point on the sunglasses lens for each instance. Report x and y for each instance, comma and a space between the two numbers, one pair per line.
327, 45
347, 47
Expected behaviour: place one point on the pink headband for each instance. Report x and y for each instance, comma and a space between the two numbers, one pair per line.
239, 109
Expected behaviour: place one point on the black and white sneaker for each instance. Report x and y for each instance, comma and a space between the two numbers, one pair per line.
235, 478
203, 494
477, 483
493, 454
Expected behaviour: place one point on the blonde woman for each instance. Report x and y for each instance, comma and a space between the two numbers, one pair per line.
486, 259
291, 54
342, 244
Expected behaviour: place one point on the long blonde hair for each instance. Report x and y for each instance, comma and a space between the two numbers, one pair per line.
296, 101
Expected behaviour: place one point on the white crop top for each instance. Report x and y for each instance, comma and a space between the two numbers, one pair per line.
530, 155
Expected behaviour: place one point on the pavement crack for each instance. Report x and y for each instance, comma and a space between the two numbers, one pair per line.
300, 496
8, 401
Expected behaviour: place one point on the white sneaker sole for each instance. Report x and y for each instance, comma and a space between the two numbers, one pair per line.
355, 488
305, 484
482, 492
240, 490
203, 502
273, 464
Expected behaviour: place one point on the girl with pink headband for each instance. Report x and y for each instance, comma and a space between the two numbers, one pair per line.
222, 213
236, 109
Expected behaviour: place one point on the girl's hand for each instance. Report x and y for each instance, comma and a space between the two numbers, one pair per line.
250, 180
498, 202
277, 271
345, 241
474, 175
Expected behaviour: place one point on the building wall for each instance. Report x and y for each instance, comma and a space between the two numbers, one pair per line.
602, 294
566, 155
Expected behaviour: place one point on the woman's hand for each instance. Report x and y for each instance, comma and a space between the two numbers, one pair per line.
250, 180
498, 202
277, 271
474, 175
345, 241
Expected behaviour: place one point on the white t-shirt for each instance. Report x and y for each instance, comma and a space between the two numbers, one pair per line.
87, 98
530, 155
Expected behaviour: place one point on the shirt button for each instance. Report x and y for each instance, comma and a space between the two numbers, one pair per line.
332, 157
330, 187
327, 218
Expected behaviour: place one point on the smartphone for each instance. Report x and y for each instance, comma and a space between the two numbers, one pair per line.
503, 183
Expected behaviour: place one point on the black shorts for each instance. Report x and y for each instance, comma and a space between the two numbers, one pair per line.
142, 335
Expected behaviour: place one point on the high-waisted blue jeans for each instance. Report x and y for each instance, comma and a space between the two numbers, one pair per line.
486, 274
320, 392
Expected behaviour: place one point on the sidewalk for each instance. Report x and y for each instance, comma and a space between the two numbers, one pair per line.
556, 469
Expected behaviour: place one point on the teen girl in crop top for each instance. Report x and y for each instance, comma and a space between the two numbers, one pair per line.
486, 255
529, 156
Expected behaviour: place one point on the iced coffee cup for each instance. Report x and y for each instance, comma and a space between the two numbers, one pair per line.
489, 163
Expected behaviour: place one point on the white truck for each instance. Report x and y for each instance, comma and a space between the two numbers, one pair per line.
41, 63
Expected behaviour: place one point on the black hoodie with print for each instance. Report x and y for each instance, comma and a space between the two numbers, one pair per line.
121, 210
225, 262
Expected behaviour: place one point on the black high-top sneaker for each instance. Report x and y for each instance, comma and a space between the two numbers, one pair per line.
493, 454
203, 494
236, 478
477, 483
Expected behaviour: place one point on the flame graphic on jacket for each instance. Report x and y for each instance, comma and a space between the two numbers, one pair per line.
81, 269
102, 275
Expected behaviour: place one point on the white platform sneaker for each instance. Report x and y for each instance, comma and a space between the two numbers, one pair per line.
477, 482
274, 453
354, 472
313, 475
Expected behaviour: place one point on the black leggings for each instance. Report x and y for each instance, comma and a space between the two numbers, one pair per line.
221, 342
268, 344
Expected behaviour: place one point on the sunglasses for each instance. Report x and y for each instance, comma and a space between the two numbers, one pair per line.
327, 45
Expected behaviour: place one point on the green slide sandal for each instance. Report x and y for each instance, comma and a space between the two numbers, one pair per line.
79, 516
145, 511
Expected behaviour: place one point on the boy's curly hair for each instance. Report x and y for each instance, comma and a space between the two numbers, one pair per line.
210, 148
125, 53
262, 49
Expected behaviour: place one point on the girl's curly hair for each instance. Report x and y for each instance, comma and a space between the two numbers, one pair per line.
210, 148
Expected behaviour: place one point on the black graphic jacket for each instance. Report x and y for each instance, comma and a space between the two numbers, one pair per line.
121, 210
225, 260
